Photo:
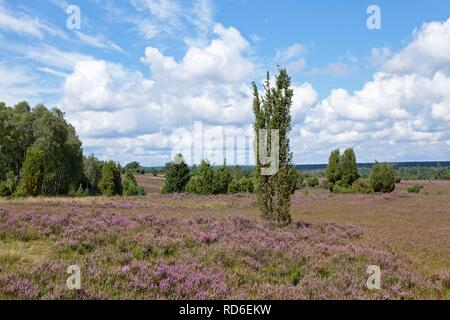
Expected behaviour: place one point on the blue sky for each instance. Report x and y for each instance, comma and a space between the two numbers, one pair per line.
138, 74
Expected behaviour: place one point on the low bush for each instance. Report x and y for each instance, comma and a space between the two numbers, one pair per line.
337, 188
362, 186
313, 182
414, 189
382, 178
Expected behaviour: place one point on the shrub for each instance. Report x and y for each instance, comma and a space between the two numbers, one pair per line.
347, 168
8, 187
222, 179
382, 177
398, 179
111, 181
326, 185
129, 184
176, 176
92, 169
414, 189
312, 182
234, 186
446, 175
332, 173
337, 188
362, 186
33, 173
242, 185
194, 185
293, 177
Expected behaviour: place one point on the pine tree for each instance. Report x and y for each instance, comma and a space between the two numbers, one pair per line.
176, 176
111, 182
332, 172
273, 112
347, 168
33, 173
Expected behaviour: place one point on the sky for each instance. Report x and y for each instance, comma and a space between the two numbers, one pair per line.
145, 79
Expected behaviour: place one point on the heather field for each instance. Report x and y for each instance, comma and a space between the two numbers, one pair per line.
216, 247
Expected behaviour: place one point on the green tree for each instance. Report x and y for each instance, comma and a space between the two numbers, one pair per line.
382, 177
176, 174
332, 172
63, 154
133, 166
348, 168
129, 184
222, 179
33, 173
111, 181
273, 113
203, 183
92, 168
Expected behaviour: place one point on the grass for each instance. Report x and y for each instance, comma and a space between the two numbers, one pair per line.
189, 247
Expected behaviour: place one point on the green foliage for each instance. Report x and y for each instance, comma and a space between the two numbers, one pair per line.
92, 168
154, 172
8, 187
446, 175
129, 184
203, 183
133, 166
337, 188
313, 182
243, 185
347, 168
382, 178
332, 173
176, 176
22, 128
362, 186
222, 179
273, 112
293, 179
111, 181
414, 189
398, 179
33, 173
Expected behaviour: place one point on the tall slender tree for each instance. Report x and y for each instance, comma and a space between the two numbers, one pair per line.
273, 113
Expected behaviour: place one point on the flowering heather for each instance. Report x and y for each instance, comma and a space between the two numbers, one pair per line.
144, 256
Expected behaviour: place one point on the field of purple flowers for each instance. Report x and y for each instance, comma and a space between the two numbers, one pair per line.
150, 257
216, 247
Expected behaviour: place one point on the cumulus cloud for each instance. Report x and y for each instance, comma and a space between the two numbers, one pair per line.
106, 101
404, 107
402, 113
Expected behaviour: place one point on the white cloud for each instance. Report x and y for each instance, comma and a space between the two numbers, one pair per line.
98, 41
211, 63
107, 102
428, 53
403, 113
333, 69
26, 25
289, 53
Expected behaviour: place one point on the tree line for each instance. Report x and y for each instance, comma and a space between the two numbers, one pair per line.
41, 154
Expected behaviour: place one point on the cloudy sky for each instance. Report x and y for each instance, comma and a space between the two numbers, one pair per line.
139, 75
